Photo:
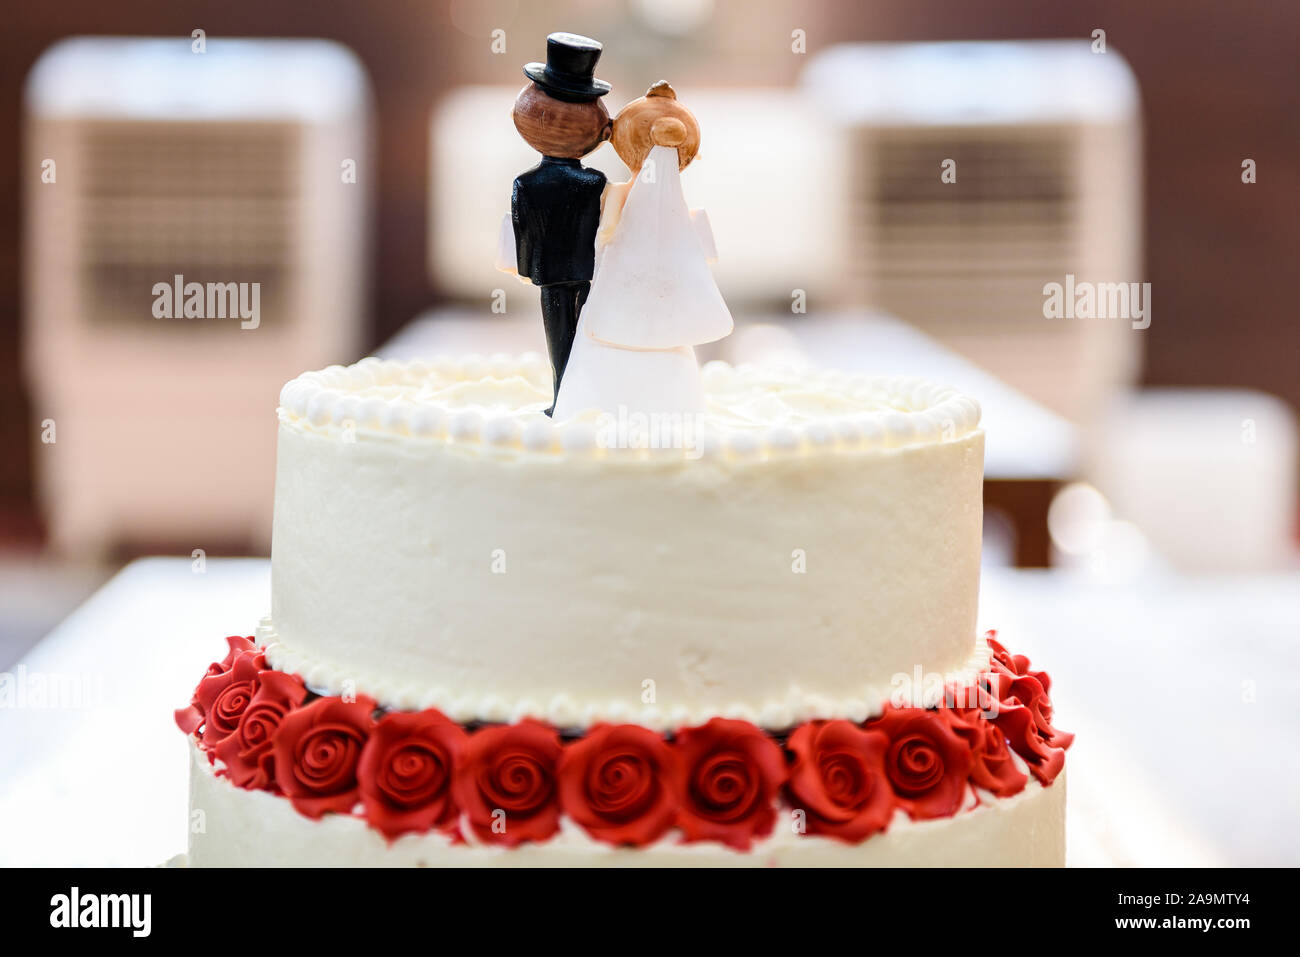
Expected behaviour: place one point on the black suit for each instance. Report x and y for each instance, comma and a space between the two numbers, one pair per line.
555, 207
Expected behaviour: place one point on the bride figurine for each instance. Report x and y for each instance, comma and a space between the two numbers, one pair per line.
653, 297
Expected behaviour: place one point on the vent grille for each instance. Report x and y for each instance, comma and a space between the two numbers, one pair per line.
967, 261
943, 254
214, 202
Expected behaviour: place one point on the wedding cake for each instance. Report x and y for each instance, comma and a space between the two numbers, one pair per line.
500, 639
718, 616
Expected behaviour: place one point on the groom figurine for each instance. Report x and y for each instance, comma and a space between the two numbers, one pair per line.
555, 206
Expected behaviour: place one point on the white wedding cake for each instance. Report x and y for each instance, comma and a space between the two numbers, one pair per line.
720, 616
745, 636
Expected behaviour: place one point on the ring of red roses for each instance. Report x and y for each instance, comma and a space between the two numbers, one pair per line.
411, 772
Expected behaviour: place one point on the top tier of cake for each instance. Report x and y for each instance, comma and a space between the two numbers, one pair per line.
786, 555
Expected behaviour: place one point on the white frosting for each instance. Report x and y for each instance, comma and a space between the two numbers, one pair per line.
259, 829
438, 541
498, 400
563, 711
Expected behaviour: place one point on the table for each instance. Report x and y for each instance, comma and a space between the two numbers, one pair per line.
1173, 765
1182, 692
105, 783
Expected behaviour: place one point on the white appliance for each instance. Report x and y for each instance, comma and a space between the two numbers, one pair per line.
230, 165
1046, 139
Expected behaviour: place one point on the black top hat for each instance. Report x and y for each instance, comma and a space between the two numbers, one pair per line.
570, 67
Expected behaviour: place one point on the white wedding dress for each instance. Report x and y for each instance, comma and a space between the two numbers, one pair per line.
652, 299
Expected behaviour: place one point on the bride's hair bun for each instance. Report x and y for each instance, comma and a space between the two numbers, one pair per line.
656, 119
668, 131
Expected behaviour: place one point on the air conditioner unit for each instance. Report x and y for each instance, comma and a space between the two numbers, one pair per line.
146, 161
1045, 136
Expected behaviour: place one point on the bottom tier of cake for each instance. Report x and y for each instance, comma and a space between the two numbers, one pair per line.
242, 828
283, 776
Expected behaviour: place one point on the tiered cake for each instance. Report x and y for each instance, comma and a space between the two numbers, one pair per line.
742, 637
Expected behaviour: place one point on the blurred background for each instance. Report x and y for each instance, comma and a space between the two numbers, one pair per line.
893, 187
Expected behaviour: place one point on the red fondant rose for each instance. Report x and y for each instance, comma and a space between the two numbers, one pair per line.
406, 772
507, 784
223, 697
838, 779
189, 718
731, 772
1010, 677
1017, 722
316, 750
619, 783
1024, 712
1031, 692
992, 767
927, 763
247, 752
1003, 660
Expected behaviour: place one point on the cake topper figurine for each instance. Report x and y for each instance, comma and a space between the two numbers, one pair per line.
653, 297
623, 340
555, 206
